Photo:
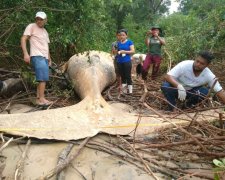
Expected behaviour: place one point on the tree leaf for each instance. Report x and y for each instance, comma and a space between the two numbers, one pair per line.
218, 163
223, 160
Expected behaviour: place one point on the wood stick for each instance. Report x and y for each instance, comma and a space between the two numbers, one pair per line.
146, 166
20, 164
221, 120
193, 120
179, 127
165, 145
129, 158
6, 144
143, 97
62, 158
3, 140
135, 129
59, 168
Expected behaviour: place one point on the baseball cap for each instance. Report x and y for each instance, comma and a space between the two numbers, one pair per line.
155, 27
41, 15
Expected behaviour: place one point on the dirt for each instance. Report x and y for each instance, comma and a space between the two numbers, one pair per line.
42, 157
96, 164
92, 164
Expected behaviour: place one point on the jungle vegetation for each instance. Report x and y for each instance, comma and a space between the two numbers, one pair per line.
78, 25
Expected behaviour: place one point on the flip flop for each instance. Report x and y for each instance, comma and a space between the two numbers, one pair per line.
44, 104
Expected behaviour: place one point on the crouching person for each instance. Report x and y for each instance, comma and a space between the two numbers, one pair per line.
187, 80
137, 64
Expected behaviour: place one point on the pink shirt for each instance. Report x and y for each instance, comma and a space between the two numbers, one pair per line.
39, 40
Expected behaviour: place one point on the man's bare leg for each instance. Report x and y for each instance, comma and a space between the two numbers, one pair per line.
41, 93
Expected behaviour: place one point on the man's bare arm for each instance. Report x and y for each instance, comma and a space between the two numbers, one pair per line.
221, 96
162, 41
24, 48
170, 79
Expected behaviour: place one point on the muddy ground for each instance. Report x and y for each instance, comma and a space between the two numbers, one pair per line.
109, 157
153, 156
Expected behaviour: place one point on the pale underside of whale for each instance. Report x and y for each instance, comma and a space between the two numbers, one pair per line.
90, 73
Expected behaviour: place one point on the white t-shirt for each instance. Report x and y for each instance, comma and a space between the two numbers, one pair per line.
183, 73
38, 40
137, 57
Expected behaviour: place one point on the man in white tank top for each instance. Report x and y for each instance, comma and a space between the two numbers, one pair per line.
39, 55
190, 81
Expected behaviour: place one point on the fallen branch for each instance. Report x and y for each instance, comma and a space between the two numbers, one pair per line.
165, 145
20, 164
179, 127
146, 166
6, 144
60, 167
62, 158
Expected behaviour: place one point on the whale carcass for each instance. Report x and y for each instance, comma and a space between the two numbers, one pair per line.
90, 73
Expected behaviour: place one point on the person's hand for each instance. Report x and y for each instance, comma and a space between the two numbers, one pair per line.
156, 34
27, 58
181, 92
115, 52
49, 62
122, 52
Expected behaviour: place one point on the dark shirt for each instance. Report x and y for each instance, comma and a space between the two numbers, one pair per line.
155, 46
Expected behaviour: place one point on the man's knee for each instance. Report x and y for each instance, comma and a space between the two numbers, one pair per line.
204, 91
166, 87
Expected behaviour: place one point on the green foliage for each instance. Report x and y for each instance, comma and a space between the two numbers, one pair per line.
75, 26
135, 33
219, 170
188, 34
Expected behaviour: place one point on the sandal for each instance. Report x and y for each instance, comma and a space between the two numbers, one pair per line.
44, 104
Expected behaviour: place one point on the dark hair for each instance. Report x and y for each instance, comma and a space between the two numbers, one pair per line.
118, 31
208, 56
123, 30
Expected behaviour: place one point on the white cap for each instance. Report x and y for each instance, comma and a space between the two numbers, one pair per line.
41, 15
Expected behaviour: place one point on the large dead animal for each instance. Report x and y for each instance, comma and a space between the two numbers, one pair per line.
90, 73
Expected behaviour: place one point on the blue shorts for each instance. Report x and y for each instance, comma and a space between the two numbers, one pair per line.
40, 66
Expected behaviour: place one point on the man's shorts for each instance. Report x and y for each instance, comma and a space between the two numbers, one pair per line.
41, 68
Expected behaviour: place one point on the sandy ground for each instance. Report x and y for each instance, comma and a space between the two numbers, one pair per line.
42, 158
91, 164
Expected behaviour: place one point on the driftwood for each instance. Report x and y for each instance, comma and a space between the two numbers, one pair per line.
145, 164
62, 158
65, 163
6, 144
182, 129
20, 164
11, 86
